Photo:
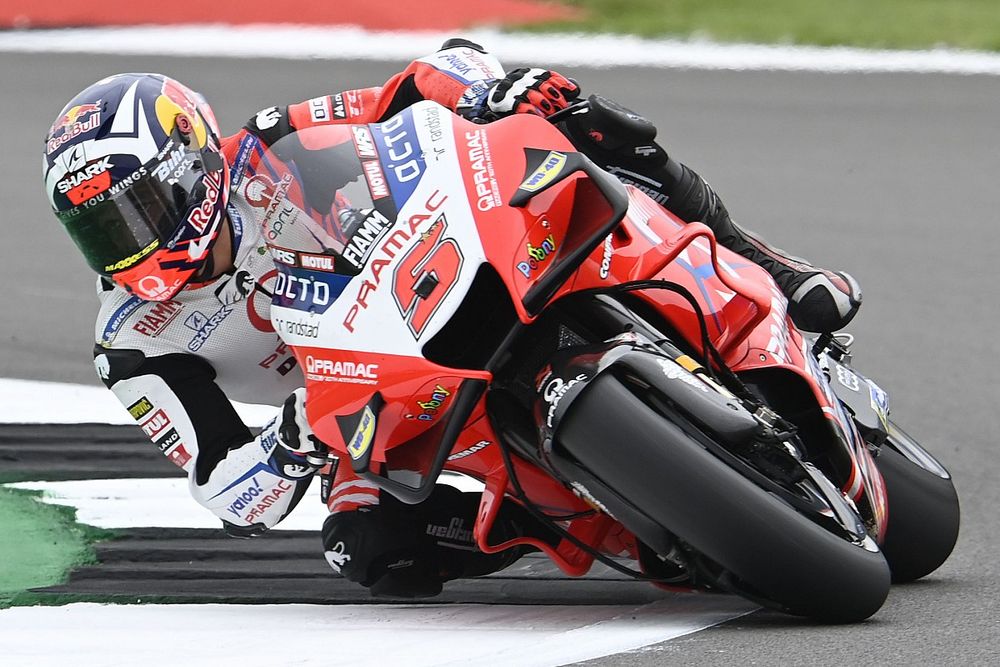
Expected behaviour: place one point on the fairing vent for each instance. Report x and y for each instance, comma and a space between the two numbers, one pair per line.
478, 327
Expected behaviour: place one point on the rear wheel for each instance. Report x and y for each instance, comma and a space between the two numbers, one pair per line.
924, 513
774, 553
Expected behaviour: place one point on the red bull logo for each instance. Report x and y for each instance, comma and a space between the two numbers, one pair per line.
178, 94
76, 121
178, 98
75, 114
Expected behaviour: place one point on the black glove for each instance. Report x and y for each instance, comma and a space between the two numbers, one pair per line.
404, 550
525, 90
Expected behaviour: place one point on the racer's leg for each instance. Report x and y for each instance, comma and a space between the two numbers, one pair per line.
622, 142
411, 550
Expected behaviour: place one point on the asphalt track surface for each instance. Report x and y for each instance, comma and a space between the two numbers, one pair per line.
892, 177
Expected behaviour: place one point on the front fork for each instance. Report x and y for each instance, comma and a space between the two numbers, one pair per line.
861, 422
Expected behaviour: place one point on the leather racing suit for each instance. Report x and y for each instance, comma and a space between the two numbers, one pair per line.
175, 365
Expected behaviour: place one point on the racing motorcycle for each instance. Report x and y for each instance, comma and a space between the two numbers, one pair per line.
484, 299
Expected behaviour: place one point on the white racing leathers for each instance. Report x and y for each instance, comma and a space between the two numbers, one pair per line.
176, 364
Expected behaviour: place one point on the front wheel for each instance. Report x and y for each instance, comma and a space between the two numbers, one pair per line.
776, 554
924, 513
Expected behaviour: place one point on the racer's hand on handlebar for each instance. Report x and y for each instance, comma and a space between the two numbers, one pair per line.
525, 90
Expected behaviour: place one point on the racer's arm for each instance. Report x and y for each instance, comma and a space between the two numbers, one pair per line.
250, 483
459, 69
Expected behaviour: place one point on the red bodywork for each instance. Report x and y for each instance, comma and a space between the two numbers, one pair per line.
744, 309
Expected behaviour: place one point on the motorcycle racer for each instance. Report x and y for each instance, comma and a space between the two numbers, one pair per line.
155, 198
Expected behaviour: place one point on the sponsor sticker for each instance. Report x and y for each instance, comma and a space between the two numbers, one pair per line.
168, 440
364, 239
156, 423
554, 392
355, 103
245, 496
469, 451
363, 436
609, 251
206, 329
376, 181
261, 192
674, 371
296, 328
349, 372
119, 317
483, 176
319, 109
267, 500
132, 259
401, 154
179, 456
307, 290
78, 120
316, 262
203, 215
247, 146
286, 217
879, 403
140, 408
154, 287
158, 318
363, 143
431, 405
87, 181
338, 109
537, 255
176, 164
549, 170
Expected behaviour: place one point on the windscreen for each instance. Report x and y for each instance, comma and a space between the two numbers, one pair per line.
316, 201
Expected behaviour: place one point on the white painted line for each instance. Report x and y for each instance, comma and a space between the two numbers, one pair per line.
37, 402
166, 503
160, 503
356, 635
346, 42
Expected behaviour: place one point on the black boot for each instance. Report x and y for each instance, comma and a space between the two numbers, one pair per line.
818, 299
621, 142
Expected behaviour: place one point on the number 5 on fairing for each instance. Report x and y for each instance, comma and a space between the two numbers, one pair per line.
425, 276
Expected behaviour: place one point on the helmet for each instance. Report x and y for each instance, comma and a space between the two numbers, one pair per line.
134, 172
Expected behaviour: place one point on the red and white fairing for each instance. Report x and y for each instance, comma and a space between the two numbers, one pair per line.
436, 190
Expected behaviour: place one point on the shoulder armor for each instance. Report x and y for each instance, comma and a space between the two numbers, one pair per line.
270, 124
114, 365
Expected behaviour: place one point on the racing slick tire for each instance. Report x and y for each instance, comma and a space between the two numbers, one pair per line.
924, 514
786, 560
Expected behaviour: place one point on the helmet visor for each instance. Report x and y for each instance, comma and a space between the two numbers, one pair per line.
119, 232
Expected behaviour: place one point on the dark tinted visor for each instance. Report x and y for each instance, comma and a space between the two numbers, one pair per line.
119, 232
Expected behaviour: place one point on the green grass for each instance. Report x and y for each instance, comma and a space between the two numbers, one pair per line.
895, 24
40, 544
